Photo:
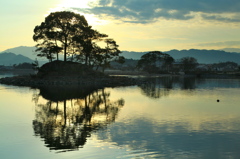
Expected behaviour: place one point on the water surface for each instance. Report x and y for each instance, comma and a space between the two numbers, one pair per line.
168, 117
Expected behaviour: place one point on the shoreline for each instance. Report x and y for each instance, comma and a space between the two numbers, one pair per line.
110, 80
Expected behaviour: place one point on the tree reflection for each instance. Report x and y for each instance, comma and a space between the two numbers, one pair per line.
65, 124
189, 83
158, 87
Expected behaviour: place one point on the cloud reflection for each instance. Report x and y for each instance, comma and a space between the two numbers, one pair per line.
174, 139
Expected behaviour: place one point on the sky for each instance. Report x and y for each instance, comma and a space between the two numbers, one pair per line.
136, 25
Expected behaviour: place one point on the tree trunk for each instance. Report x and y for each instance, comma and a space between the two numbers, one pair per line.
86, 59
65, 50
65, 53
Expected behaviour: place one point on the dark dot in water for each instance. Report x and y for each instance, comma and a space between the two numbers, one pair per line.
218, 100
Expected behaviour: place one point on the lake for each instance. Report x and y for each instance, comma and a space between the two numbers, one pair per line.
167, 117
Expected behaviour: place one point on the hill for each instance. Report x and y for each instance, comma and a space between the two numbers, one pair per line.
234, 50
8, 59
203, 56
206, 56
132, 55
29, 52
24, 50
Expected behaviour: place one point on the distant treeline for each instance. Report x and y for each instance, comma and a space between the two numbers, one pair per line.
202, 56
24, 65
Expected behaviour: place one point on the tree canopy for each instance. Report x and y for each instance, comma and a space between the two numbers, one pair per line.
155, 61
188, 63
69, 33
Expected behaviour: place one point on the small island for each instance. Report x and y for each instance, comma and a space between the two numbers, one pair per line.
60, 73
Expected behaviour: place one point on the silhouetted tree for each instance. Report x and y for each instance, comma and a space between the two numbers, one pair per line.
35, 65
58, 29
48, 49
155, 61
85, 41
24, 65
188, 63
69, 33
103, 56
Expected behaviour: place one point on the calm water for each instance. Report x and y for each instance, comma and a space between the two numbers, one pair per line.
163, 118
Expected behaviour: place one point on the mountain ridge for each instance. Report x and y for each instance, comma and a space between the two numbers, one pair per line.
27, 51
8, 59
203, 56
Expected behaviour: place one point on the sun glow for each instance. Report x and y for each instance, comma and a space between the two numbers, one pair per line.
73, 5
68, 4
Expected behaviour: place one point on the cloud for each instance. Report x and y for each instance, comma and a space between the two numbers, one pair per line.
222, 17
147, 11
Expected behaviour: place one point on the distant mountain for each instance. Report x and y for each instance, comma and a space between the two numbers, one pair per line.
25, 51
132, 55
8, 59
206, 56
235, 50
29, 52
203, 56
